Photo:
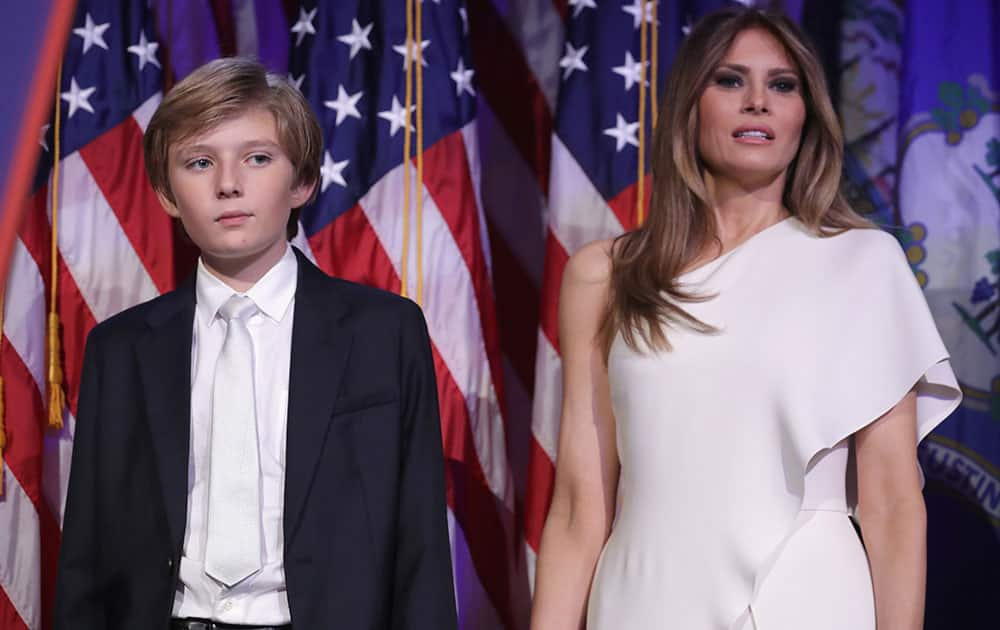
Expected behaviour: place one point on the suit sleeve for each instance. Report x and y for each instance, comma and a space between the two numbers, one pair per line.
423, 588
78, 582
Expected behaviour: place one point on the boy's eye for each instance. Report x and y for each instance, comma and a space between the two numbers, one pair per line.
728, 80
260, 159
785, 85
199, 164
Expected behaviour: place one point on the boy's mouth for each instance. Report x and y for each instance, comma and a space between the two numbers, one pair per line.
233, 217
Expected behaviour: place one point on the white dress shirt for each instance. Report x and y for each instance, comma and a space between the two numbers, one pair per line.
262, 598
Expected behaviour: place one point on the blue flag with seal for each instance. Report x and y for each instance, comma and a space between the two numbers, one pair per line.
949, 205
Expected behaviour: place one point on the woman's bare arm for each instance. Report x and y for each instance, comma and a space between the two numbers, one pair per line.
893, 516
583, 500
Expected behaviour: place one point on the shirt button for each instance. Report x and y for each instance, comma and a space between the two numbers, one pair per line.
227, 606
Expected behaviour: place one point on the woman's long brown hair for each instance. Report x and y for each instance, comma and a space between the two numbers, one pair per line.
645, 297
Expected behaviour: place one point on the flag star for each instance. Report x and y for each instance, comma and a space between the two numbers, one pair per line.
688, 25
357, 38
635, 10
345, 105
92, 34
401, 49
462, 13
623, 133
77, 98
397, 116
580, 5
305, 25
297, 82
573, 60
41, 136
145, 51
633, 71
332, 172
463, 79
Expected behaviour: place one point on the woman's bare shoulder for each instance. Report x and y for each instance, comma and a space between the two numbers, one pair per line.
591, 264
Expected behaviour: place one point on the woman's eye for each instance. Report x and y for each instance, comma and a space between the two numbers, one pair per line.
199, 164
259, 159
728, 80
785, 85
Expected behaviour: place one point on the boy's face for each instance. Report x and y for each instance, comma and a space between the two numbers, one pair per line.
234, 189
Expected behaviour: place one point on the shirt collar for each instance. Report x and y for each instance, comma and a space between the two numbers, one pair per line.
272, 294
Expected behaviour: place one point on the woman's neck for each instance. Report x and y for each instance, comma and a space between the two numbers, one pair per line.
743, 210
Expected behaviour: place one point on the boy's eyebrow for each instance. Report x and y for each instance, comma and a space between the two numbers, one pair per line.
249, 144
745, 70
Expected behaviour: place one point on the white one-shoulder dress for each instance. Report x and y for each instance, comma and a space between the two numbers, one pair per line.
734, 495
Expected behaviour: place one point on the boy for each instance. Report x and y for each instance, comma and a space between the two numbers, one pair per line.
260, 447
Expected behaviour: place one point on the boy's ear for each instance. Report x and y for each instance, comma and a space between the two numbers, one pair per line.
302, 193
168, 206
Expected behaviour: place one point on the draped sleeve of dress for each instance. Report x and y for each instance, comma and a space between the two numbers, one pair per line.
734, 491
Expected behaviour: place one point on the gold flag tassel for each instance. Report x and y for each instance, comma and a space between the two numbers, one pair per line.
418, 49
654, 70
643, 63
57, 399
407, 103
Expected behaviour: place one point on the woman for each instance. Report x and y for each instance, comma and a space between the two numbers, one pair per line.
729, 362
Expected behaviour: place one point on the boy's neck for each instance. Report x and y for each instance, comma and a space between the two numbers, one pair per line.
241, 274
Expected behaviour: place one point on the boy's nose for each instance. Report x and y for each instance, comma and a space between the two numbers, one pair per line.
228, 191
228, 183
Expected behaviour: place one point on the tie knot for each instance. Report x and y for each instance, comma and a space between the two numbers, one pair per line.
238, 307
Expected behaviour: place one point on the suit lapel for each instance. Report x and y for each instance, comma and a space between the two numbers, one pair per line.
320, 349
165, 371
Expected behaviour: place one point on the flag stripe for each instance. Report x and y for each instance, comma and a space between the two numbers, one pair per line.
469, 494
537, 26
556, 261
448, 180
23, 455
367, 262
115, 162
36, 236
23, 404
95, 246
541, 474
20, 575
624, 208
24, 313
22, 507
10, 619
518, 326
510, 88
77, 320
548, 398
578, 213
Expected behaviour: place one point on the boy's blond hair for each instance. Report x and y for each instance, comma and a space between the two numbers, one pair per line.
219, 91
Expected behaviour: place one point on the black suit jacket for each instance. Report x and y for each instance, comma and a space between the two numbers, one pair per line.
366, 541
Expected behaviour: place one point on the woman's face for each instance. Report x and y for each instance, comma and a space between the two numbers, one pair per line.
750, 115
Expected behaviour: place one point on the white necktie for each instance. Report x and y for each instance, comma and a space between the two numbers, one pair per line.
232, 546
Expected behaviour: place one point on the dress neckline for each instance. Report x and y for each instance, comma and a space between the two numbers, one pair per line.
710, 265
